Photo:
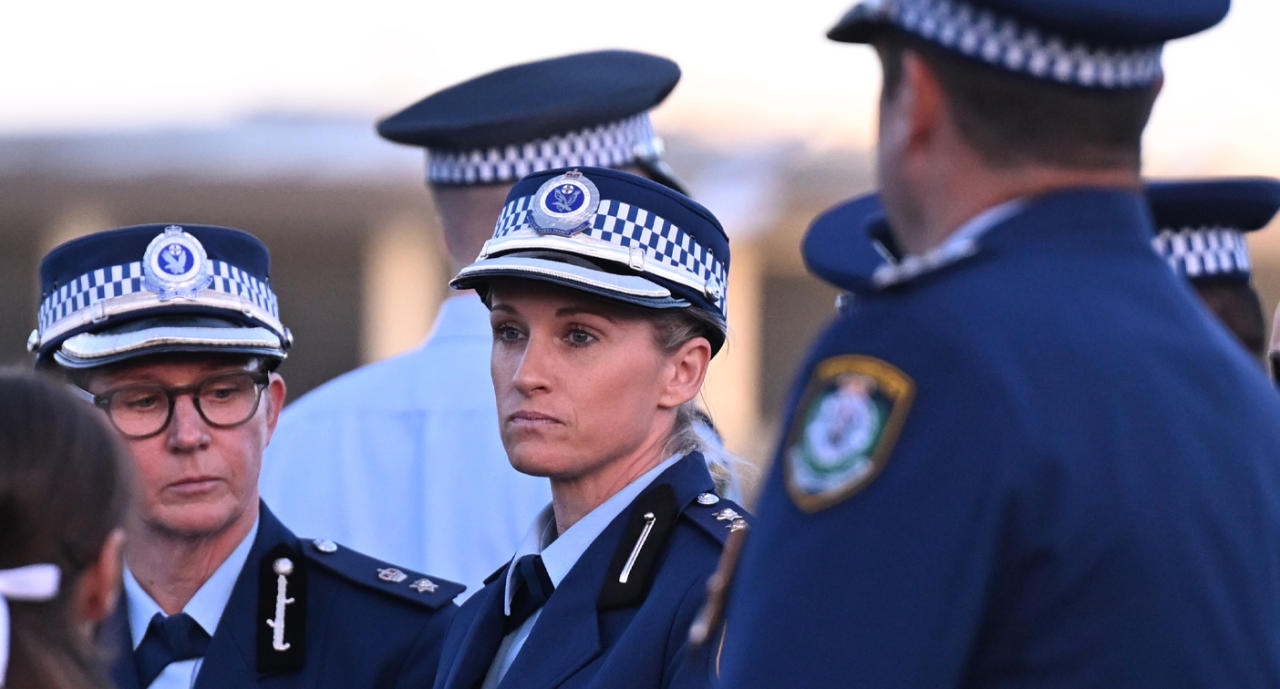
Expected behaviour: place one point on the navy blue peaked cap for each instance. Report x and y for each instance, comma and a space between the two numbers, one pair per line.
147, 289
840, 246
1201, 223
1103, 44
612, 234
583, 109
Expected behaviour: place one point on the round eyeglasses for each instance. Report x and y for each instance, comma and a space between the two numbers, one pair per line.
145, 409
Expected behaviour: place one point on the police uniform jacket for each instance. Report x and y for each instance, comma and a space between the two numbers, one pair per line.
596, 632
347, 627
1072, 482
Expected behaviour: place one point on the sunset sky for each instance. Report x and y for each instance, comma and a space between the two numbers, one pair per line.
750, 74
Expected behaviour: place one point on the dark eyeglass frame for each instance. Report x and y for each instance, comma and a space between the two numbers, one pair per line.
260, 380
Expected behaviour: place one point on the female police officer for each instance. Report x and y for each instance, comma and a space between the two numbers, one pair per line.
607, 300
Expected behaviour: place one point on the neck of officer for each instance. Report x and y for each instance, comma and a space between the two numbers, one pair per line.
935, 180
467, 216
171, 567
947, 201
573, 497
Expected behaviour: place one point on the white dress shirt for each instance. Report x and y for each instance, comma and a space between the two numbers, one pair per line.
205, 607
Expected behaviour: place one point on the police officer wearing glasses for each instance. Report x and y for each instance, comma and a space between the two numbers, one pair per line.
173, 332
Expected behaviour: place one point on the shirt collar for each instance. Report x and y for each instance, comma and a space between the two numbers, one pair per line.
205, 607
959, 244
559, 555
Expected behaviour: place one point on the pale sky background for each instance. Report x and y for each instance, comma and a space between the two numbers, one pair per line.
753, 71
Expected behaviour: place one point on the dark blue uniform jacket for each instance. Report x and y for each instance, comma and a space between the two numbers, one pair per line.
359, 630
1084, 488
595, 632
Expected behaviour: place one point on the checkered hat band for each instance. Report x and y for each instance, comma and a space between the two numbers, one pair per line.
618, 228
106, 284
1003, 42
1204, 251
608, 145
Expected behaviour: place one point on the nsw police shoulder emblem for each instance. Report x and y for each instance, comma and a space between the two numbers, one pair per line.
175, 265
564, 205
845, 427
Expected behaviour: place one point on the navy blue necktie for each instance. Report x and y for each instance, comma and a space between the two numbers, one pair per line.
168, 640
532, 587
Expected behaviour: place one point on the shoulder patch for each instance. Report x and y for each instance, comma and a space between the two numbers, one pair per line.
718, 518
421, 589
844, 429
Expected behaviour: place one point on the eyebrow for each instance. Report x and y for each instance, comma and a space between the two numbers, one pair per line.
575, 310
561, 312
126, 379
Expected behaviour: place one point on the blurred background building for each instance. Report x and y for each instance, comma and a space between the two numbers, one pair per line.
135, 112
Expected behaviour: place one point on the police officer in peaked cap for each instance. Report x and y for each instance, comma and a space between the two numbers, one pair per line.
607, 295
413, 439
173, 332
1021, 455
1201, 228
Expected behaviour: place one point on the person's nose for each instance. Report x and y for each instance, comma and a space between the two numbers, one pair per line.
533, 369
187, 429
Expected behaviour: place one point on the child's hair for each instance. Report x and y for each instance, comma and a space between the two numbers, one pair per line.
64, 488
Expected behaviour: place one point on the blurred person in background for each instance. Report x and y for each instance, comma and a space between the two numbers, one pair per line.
1201, 225
607, 299
173, 332
64, 492
1022, 455
404, 454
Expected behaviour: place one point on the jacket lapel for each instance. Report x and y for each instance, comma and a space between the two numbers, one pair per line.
480, 620
231, 658
566, 636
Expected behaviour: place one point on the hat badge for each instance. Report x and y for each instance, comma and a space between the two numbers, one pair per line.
175, 264
564, 205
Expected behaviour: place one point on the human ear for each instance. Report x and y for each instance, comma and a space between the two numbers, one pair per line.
923, 103
276, 392
687, 367
98, 590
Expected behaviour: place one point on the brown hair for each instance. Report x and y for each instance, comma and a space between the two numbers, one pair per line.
64, 487
1010, 119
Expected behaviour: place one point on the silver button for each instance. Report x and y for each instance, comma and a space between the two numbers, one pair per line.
325, 545
708, 499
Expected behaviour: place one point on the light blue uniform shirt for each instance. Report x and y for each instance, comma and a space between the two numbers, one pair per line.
205, 607
559, 555
402, 459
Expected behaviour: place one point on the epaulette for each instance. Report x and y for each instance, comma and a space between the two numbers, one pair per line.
421, 589
716, 515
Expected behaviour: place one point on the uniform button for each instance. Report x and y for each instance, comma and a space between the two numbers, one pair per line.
325, 545
708, 499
